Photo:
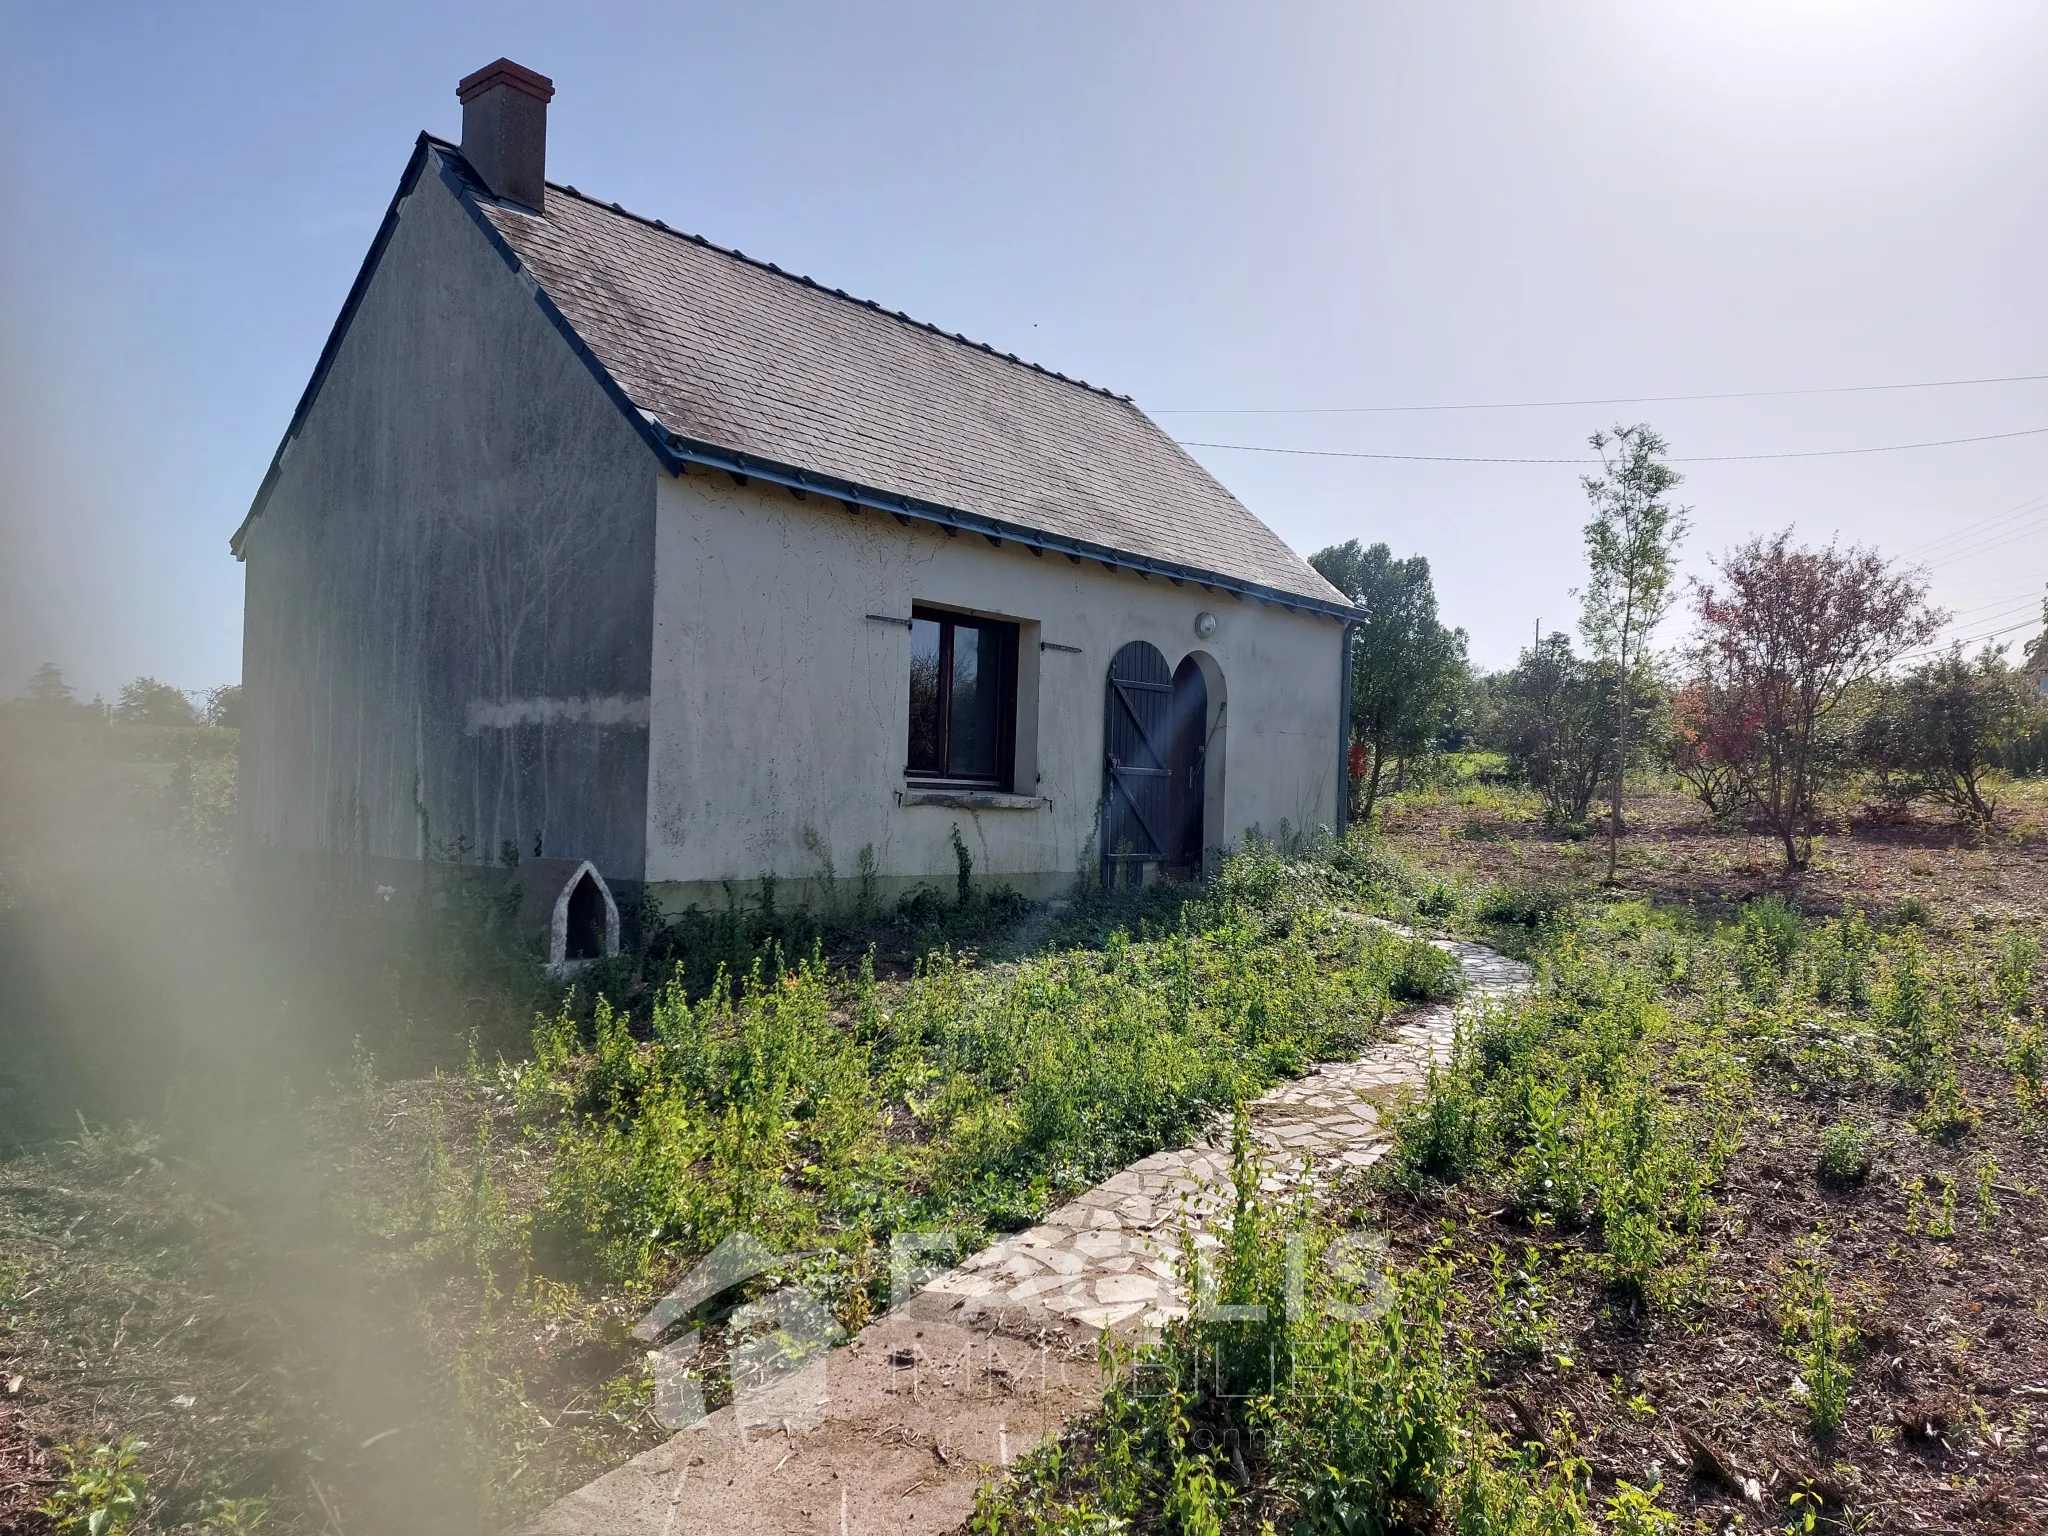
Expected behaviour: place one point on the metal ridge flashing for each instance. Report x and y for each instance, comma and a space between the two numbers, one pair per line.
688, 450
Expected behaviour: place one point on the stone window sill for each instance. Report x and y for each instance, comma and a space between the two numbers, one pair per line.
968, 799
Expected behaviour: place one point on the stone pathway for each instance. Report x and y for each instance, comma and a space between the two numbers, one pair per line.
895, 1432
1108, 1259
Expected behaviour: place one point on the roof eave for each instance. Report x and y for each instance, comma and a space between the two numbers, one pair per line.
328, 352
852, 494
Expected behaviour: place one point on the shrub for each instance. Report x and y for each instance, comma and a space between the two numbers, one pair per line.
2013, 976
760, 1103
1844, 1153
1423, 973
1566, 1100
1557, 713
1774, 927
1358, 1389
1526, 906
1817, 1340
1942, 730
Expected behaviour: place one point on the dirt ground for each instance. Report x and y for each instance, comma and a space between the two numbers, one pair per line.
1870, 858
894, 1433
1947, 1424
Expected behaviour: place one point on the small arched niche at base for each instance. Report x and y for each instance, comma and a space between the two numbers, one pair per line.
584, 925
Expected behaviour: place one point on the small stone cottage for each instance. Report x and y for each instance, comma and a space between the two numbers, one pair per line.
601, 551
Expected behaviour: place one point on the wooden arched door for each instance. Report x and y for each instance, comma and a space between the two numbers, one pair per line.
1188, 761
1137, 748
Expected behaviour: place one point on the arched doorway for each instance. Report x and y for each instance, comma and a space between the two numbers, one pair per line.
1188, 742
1136, 779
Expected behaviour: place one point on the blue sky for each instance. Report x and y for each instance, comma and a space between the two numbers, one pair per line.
1246, 207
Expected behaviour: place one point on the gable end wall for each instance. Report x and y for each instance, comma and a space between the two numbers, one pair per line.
449, 589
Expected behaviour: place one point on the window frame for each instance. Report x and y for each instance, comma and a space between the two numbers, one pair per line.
1006, 633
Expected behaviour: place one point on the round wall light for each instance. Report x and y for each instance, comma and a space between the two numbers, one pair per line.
1205, 624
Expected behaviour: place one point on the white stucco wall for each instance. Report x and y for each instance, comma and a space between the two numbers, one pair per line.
778, 706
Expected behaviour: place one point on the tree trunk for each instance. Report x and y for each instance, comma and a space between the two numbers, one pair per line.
1372, 788
1620, 763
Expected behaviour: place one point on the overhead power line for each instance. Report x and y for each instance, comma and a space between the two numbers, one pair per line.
1984, 546
1939, 646
1541, 405
1699, 458
1969, 530
1979, 617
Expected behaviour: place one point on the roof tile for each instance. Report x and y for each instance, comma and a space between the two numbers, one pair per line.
741, 354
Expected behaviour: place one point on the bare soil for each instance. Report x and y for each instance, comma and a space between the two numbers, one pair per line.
893, 1433
1947, 1424
1871, 858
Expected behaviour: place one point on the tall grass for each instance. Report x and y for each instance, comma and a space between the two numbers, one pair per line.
1590, 1106
811, 1110
1353, 1392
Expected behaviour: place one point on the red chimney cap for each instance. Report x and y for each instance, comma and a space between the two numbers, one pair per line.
505, 72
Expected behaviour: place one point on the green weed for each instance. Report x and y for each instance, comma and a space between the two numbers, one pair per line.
2013, 977
1635, 1511
1943, 1223
1987, 1192
1566, 1100
228, 1517
758, 1103
1521, 1314
102, 1489
1844, 1153
1819, 1342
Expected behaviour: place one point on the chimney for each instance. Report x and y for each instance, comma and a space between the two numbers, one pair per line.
505, 131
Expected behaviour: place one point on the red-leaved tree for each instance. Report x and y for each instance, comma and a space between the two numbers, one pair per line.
1711, 741
1786, 635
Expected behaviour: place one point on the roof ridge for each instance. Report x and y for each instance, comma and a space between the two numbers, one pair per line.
816, 286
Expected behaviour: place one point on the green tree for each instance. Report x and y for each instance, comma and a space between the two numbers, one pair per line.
149, 702
1942, 729
1553, 716
1408, 671
47, 692
1631, 546
224, 705
49, 697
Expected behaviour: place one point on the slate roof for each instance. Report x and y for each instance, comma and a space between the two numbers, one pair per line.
727, 350
725, 358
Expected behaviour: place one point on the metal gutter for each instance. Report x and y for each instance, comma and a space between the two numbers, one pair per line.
851, 494
1344, 731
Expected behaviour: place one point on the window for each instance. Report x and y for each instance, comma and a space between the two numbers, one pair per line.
963, 699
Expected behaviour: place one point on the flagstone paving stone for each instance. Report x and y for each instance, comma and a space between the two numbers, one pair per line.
1074, 1264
